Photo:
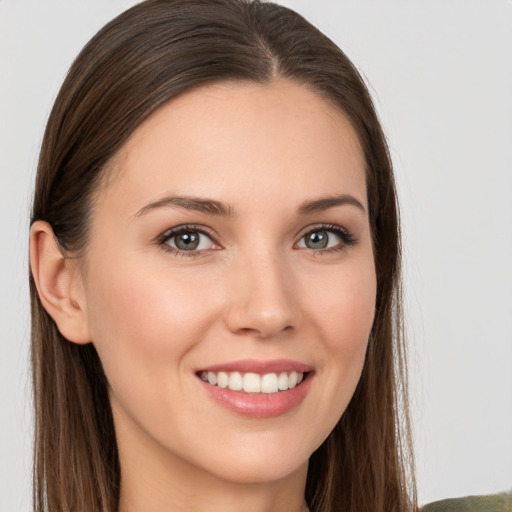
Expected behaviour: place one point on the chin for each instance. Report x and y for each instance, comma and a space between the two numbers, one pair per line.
258, 470
252, 459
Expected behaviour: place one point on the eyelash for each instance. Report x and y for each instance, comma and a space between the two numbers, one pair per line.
171, 233
347, 238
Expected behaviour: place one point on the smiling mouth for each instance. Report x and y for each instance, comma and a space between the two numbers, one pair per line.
268, 383
257, 389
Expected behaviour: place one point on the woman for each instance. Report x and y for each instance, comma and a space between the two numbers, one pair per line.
215, 273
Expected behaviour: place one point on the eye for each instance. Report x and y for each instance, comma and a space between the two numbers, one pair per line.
326, 238
319, 239
187, 239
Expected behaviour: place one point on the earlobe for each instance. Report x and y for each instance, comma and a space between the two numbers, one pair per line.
58, 284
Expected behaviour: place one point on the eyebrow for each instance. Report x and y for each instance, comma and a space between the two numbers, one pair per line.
213, 207
198, 204
320, 205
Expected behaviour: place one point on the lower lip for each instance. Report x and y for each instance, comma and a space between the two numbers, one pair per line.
259, 405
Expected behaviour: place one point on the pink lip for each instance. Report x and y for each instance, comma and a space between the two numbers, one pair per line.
259, 405
259, 367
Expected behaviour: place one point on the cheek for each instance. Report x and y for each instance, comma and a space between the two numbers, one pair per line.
344, 310
352, 326
343, 313
143, 322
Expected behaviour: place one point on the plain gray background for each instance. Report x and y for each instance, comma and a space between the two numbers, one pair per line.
441, 75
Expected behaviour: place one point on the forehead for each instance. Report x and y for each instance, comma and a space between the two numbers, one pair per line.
239, 139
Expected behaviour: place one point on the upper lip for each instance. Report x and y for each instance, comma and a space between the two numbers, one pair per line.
259, 366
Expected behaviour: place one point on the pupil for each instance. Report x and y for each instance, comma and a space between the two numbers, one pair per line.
187, 241
317, 240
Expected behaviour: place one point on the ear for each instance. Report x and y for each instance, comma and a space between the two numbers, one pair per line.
59, 284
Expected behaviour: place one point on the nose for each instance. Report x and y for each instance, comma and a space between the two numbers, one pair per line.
262, 301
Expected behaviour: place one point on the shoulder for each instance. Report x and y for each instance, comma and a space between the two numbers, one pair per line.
491, 503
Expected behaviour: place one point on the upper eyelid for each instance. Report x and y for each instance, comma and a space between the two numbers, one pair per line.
325, 226
169, 233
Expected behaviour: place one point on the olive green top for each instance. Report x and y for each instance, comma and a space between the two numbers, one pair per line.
491, 503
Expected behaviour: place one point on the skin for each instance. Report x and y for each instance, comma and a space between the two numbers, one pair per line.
252, 290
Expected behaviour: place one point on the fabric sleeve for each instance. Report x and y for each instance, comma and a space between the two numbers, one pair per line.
491, 503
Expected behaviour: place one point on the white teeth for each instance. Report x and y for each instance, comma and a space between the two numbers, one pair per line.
252, 382
269, 383
282, 381
222, 380
235, 382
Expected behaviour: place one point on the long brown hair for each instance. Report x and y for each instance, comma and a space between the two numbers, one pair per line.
146, 56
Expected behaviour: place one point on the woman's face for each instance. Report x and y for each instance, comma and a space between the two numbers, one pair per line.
231, 242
